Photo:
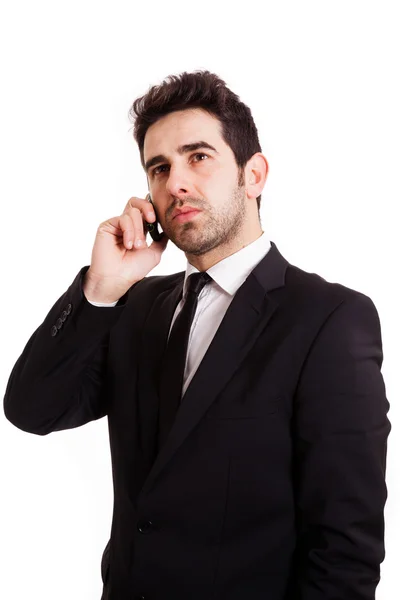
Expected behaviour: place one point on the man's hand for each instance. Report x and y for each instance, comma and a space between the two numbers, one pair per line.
120, 255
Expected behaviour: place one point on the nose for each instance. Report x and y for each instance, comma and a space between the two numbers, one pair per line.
177, 183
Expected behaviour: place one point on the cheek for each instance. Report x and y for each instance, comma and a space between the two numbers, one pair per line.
214, 179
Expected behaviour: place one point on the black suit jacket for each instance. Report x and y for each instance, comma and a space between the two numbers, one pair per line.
271, 483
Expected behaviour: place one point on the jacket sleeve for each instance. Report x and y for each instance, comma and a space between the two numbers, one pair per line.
340, 433
59, 381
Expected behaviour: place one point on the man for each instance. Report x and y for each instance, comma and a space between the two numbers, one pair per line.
245, 402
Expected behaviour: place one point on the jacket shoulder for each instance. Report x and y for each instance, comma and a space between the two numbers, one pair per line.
316, 287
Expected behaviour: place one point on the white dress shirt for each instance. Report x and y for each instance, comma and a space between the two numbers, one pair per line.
214, 299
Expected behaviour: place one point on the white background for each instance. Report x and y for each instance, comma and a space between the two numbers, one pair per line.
322, 81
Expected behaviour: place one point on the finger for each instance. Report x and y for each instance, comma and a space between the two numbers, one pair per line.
143, 205
138, 223
127, 226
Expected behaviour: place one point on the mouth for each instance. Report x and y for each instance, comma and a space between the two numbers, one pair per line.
186, 216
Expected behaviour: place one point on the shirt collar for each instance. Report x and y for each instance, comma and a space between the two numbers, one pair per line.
231, 272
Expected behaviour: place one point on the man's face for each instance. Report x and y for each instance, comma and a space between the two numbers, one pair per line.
200, 177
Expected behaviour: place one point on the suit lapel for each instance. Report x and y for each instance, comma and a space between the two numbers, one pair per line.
247, 316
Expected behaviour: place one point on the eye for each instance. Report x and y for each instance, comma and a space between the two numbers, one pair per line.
156, 171
201, 154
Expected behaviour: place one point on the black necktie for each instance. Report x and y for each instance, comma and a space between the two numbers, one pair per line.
173, 366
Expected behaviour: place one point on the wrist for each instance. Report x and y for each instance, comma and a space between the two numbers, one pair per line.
99, 290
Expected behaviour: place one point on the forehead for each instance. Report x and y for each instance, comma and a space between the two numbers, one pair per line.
182, 127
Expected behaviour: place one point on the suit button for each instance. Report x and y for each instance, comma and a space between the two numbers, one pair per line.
145, 526
54, 331
59, 323
140, 598
68, 309
64, 316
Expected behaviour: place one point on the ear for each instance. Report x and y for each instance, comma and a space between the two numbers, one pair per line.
256, 172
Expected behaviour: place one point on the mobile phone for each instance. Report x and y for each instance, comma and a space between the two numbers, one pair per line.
153, 228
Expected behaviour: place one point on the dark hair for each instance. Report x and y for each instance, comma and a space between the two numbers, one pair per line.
200, 89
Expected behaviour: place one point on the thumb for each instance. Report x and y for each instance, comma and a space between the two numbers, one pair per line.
161, 244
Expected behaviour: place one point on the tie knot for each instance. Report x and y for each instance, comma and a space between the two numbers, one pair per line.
197, 281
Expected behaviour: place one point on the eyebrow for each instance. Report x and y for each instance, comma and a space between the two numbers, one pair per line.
181, 150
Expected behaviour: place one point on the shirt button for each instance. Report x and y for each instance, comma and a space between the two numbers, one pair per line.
145, 526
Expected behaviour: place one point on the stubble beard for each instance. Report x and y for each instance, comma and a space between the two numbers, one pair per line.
212, 229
